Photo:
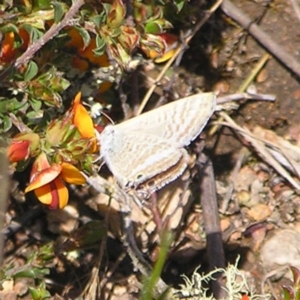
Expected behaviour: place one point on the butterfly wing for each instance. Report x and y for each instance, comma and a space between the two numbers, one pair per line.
178, 122
160, 180
135, 157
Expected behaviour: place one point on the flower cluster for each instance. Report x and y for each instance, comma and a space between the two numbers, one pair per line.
67, 148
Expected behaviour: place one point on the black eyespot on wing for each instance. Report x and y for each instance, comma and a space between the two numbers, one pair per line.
130, 185
139, 176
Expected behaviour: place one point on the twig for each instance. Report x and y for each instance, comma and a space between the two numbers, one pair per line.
248, 96
214, 242
267, 277
19, 124
237, 15
177, 52
50, 34
112, 269
3, 199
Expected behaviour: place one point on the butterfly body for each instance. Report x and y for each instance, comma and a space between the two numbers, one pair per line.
147, 152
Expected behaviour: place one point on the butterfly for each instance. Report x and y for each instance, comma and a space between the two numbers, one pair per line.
147, 152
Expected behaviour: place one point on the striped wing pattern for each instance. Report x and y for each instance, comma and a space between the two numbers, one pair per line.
146, 152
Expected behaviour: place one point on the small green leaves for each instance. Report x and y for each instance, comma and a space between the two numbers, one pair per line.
10, 105
41, 4
179, 4
58, 11
31, 71
84, 34
39, 293
5, 124
32, 272
101, 45
33, 32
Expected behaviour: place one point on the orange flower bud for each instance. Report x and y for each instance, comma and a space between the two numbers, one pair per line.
18, 151
23, 146
7, 51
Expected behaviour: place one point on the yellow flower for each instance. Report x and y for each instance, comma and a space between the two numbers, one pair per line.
47, 181
82, 120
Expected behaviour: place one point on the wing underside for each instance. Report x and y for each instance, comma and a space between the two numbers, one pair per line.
179, 122
140, 157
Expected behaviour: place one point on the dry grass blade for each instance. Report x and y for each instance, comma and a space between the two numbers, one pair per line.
296, 8
282, 150
178, 51
262, 149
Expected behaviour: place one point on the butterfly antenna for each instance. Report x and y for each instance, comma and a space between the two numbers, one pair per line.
108, 117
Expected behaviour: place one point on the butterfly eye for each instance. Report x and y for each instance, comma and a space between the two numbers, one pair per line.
139, 176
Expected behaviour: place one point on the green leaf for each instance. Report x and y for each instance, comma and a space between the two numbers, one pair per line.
39, 293
34, 293
85, 35
116, 15
36, 104
150, 282
35, 115
41, 4
6, 124
54, 80
297, 294
32, 272
31, 71
34, 33
153, 27
8, 27
22, 165
107, 7
46, 252
99, 20
101, 46
10, 105
2, 274
58, 11
288, 293
179, 4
